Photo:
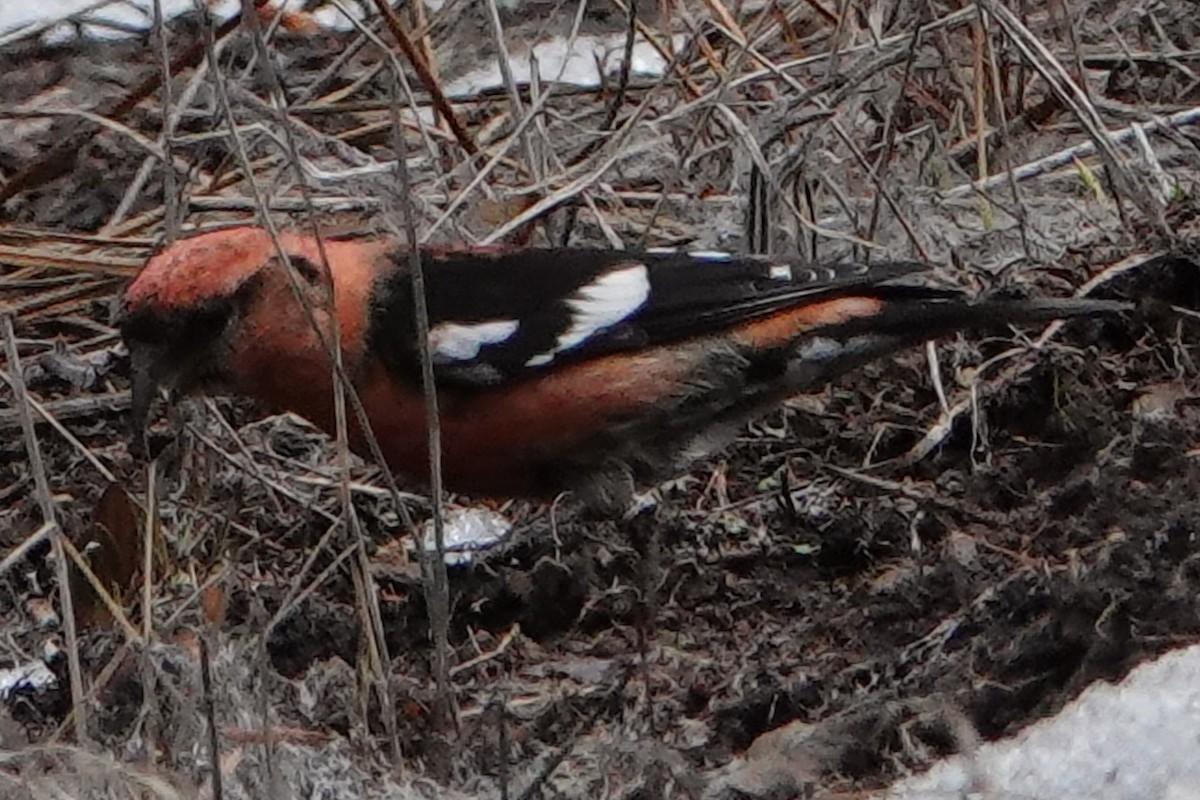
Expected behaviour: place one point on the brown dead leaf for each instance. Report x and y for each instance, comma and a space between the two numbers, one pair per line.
113, 547
291, 21
214, 601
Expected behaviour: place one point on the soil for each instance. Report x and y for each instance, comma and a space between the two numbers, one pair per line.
876, 577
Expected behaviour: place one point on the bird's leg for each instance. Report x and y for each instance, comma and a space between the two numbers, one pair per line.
640, 526
609, 494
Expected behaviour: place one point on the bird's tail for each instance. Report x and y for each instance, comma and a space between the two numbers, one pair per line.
1052, 308
928, 319
830, 352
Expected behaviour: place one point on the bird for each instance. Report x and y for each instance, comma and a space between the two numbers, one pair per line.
593, 371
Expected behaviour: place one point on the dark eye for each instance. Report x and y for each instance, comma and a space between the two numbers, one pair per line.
305, 269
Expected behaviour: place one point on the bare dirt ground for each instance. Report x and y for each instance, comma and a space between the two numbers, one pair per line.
877, 574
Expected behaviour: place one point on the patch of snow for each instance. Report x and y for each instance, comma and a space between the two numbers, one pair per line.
467, 531
35, 675
582, 62
1136, 739
62, 20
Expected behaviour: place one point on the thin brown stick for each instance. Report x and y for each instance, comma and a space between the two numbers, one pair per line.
210, 716
170, 189
331, 340
45, 501
437, 581
610, 114
428, 80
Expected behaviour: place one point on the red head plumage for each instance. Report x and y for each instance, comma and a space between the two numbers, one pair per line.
208, 267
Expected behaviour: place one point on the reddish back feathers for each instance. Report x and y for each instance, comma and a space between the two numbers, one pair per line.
556, 369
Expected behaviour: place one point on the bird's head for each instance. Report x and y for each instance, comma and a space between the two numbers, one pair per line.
185, 314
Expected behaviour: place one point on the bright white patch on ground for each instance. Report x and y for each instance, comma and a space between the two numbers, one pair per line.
119, 20
583, 62
466, 531
457, 341
600, 304
710, 255
1137, 739
781, 272
34, 675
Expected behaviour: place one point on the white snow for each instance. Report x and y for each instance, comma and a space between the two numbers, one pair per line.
583, 61
1136, 739
123, 18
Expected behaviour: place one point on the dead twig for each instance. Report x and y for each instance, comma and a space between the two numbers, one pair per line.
45, 500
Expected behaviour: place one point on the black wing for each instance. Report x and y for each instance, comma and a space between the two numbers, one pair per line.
498, 315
